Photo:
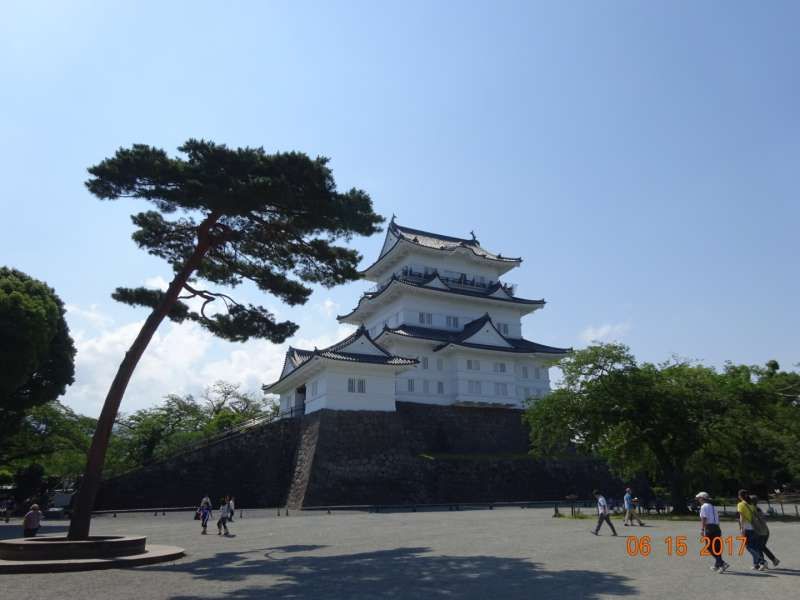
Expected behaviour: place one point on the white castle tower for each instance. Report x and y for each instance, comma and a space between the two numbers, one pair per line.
439, 327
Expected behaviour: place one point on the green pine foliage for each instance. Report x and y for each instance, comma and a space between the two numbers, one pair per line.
271, 219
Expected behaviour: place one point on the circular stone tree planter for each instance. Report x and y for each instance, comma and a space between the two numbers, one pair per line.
50, 554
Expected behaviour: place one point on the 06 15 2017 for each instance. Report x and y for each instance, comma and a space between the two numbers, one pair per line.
676, 546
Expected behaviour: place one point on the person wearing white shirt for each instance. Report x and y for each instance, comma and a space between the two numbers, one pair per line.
602, 513
709, 528
224, 513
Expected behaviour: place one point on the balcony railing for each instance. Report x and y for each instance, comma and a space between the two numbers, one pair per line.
461, 281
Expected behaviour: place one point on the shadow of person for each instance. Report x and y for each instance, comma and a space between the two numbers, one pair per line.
395, 573
298, 548
784, 571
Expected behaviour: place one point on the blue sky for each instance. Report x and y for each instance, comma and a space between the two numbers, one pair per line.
642, 157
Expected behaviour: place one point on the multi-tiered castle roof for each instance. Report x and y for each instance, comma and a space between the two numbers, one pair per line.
434, 296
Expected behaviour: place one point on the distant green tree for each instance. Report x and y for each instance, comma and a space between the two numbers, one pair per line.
639, 418
36, 351
682, 424
156, 433
53, 436
272, 219
30, 485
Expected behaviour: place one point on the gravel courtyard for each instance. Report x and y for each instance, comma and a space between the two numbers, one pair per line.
501, 554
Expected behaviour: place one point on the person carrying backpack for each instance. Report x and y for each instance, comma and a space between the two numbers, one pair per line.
762, 531
747, 527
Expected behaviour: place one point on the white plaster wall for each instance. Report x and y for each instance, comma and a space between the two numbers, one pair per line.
486, 375
538, 386
285, 401
321, 394
406, 309
379, 394
388, 314
422, 349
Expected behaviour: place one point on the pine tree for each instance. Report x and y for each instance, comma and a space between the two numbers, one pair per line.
237, 215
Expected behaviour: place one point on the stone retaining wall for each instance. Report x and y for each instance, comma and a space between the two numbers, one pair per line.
419, 454
254, 466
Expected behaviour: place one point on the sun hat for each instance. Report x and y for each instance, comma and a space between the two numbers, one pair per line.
703, 495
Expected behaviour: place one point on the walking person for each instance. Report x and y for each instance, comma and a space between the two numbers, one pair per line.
753, 542
205, 512
222, 523
762, 531
709, 528
32, 521
232, 509
602, 513
630, 509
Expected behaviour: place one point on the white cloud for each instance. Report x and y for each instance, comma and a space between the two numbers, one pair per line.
92, 315
181, 359
605, 333
329, 308
157, 282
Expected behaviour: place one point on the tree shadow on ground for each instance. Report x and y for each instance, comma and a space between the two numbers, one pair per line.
396, 573
10, 532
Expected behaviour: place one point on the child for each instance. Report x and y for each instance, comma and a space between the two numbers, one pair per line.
32, 521
205, 512
224, 511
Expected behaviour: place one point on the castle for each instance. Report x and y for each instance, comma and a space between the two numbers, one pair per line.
439, 327
422, 404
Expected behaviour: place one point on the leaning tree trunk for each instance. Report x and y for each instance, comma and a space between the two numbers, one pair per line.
87, 492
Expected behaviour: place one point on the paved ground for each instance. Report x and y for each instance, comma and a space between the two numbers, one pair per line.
500, 554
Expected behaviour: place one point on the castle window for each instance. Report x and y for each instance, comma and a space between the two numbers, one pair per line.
503, 328
314, 389
473, 365
424, 362
410, 385
425, 318
474, 387
452, 322
501, 389
357, 386
499, 367
440, 387
524, 372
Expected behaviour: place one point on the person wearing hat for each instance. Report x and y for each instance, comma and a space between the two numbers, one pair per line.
32, 521
630, 509
709, 528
